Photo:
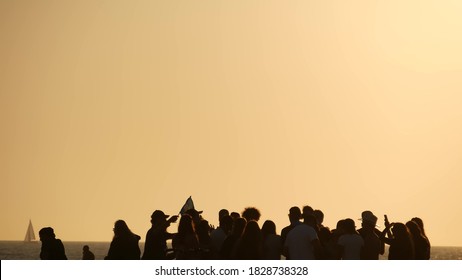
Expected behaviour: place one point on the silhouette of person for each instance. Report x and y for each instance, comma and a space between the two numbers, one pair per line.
302, 242
294, 218
52, 248
373, 245
329, 247
205, 242
235, 215
319, 215
420, 223
222, 213
228, 249
421, 244
350, 242
155, 246
219, 234
124, 245
249, 246
185, 243
272, 246
400, 241
307, 210
87, 254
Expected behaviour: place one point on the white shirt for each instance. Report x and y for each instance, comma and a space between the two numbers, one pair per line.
298, 243
352, 245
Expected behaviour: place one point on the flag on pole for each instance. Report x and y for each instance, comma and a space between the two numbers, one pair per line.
189, 204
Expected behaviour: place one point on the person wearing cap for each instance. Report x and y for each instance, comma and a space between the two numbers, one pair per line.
155, 246
373, 246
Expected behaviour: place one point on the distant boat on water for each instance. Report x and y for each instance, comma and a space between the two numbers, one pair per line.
30, 235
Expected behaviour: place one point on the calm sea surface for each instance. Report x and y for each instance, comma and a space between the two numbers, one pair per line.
19, 250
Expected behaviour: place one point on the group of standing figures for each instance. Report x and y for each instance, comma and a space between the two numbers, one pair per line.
239, 236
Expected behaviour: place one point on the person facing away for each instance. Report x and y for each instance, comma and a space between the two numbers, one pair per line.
294, 218
420, 223
373, 246
219, 234
155, 246
124, 245
350, 243
421, 244
235, 215
307, 210
228, 248
319, 215
87, 254
249, 246
205, 242
185, 243
400, 241
302, 242
251, 214
52, 248
272, 247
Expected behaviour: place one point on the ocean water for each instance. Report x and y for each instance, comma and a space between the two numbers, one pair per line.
19, 250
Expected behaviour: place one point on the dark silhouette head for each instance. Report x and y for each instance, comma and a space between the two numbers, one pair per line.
47, 233
340, 228
226, 223
251, 214
349, 226
400, 231
222, 212
252, 233
86, 248
269, 227
319, 215
368, 219
203, 230
235, 215
238, 226
158, 217
420, 223
295, 214
121, 229
414, 228
307, 210
310, 220
324, 234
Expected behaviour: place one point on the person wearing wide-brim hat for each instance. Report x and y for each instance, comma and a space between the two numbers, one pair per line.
155, 246
373, 246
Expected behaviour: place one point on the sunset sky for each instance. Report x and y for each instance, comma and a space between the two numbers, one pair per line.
112, 109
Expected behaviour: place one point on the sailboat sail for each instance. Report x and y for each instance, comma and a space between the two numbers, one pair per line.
30, 235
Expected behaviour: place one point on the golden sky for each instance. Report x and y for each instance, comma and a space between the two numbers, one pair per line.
112, 109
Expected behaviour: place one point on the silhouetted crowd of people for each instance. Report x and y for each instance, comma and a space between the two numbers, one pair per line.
240, 237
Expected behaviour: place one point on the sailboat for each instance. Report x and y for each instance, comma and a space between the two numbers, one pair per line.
30, 235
